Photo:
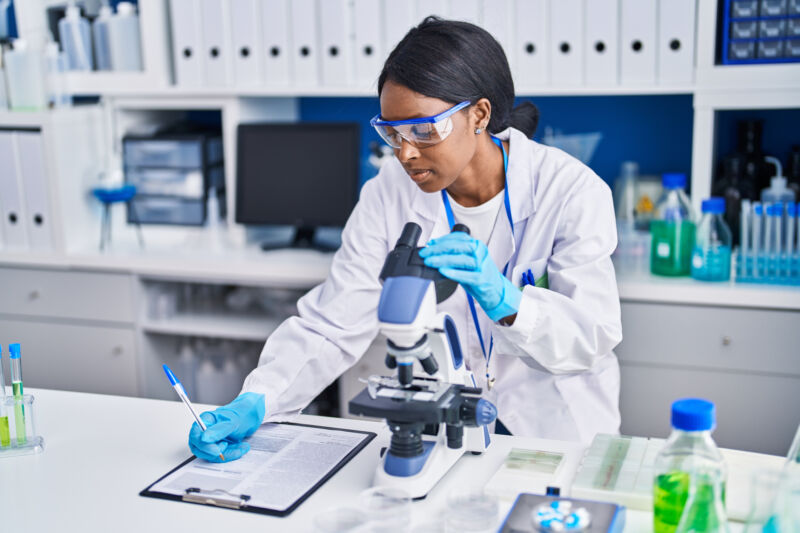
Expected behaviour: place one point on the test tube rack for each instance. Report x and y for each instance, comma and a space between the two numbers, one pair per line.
19, 436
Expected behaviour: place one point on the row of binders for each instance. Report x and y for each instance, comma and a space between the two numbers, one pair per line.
343, 43
24, 202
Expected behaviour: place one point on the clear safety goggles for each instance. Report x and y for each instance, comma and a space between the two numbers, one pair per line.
424, 131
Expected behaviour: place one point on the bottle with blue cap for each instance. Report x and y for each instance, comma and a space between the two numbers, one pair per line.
672, 229
690, 473
711, 257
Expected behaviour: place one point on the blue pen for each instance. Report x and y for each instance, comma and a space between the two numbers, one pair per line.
176, 384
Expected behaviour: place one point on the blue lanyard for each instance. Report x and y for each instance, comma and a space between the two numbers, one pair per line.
451, 221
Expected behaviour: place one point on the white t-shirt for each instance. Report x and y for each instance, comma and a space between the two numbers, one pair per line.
479, 219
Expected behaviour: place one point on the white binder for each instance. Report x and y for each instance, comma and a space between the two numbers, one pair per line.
277, 50
530, 44
637, 42
335, 47
367, 46
676, 36
466, 10
496, 19
398, 18
247, 49
425, 8
187, 49
12, 208
601, 43
216, 44
38, 222
566, 42
305, 47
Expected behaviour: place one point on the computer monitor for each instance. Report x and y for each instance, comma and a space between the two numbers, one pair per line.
300, 174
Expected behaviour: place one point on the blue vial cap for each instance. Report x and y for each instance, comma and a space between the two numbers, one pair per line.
13, 350
673, 180
791, 209
714, 205
758, 209
694, 414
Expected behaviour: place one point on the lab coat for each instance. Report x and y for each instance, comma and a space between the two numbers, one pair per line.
556, 374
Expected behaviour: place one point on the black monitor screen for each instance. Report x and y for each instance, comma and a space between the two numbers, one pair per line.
300, 174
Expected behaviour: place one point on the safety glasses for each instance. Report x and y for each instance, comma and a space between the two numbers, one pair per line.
421, 132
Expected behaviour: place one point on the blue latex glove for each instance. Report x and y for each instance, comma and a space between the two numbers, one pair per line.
466, 260
226, 427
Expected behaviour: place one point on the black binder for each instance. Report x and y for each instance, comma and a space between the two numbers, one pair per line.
240, 502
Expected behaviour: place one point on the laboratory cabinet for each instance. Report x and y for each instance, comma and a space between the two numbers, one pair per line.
743, 359
76, 328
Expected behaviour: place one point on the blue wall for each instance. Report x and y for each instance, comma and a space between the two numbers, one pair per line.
656, 131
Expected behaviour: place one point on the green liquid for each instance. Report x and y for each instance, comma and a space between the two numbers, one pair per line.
5, 433
19, 412
669, 498
671, 251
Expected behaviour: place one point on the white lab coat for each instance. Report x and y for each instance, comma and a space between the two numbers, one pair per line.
556, 374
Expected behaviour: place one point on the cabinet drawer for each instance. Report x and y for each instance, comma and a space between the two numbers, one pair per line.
751, 340
75, 358
78, 295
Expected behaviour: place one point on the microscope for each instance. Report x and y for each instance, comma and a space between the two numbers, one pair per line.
435, 414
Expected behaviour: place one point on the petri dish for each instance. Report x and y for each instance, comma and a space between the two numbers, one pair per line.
386, 508
472, 510
340, 520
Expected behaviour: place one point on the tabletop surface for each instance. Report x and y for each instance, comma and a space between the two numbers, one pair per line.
101, 451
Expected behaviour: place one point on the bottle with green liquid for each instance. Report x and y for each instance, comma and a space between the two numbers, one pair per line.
672, 229
690, 473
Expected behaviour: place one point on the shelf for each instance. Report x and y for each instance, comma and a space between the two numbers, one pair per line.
749, 77
110, 87
648, 288
226, 325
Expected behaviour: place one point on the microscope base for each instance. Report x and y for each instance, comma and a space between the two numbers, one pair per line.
440, 460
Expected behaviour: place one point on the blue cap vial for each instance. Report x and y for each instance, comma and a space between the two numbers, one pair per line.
714, 205
673, 180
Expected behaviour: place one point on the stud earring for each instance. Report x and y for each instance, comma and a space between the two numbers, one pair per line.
478, 131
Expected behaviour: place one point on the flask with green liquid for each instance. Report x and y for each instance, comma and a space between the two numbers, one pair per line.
690, 473
672, 229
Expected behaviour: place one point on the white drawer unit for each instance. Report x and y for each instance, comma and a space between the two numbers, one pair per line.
745, 360
74, 357
66, 294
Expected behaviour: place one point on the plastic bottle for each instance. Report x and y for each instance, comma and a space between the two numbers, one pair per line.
213, 219
187, 366
777, 190
711, 258
76, 39
672, 229
25, 72
625, 191
124, 38
690, 462
56, 63
102, 46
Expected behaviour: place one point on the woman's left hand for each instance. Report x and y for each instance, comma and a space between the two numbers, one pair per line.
466, 260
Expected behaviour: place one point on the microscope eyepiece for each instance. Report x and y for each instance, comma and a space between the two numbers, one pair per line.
410, 235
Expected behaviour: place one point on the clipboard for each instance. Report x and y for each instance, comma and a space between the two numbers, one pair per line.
243, 502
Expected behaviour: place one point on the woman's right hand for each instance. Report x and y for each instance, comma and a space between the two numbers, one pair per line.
227, 427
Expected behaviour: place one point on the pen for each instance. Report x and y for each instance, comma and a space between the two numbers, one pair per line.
176, 384
17, 389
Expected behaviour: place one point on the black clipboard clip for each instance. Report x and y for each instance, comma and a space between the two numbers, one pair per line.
218, 497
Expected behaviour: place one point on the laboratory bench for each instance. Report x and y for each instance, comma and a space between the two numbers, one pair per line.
101, 451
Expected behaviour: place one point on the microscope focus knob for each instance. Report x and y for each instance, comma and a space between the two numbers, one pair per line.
478, 412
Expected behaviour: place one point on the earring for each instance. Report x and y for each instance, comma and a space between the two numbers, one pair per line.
478, 131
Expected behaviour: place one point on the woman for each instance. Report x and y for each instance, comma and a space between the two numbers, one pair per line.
541, 222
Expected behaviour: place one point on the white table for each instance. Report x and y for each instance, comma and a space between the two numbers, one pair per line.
100, 451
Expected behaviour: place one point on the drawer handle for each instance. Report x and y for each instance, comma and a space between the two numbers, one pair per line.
726, 340
33, 295
117, 350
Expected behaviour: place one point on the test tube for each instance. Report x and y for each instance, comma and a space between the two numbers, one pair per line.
758, 211
788, 248
777, 215
744, 252
5, 433
17, 389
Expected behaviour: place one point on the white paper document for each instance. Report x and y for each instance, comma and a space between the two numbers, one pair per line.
285, 462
